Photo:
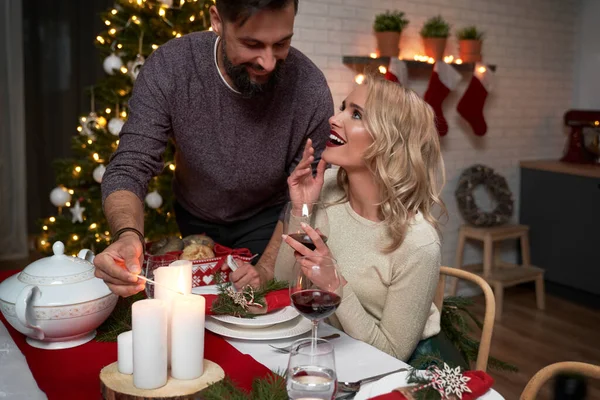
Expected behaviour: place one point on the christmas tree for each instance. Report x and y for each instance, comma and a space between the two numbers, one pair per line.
134, 29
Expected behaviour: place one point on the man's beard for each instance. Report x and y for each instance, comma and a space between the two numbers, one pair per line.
241, 78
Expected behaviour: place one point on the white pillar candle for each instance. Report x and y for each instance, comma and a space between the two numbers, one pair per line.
184, 280
173, 281
125, 352
149, 326
187, 337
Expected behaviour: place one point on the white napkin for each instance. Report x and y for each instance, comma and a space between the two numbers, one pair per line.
16, 381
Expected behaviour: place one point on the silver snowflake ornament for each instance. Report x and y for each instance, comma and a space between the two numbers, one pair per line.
450, 381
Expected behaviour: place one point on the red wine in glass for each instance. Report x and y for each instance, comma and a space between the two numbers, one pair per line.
306, 240
315, 303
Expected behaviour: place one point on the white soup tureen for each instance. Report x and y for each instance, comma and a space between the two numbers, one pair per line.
56, 301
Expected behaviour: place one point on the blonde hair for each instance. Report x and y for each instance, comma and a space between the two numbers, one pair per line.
405, 157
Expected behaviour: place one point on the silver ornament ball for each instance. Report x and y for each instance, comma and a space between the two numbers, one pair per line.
111, 63
154, 200
115, 125
99, 173
59, 196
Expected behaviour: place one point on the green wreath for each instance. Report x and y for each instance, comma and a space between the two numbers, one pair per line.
497, 187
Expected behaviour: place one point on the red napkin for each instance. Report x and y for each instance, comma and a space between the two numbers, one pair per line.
275, 300
479, 384
221, 250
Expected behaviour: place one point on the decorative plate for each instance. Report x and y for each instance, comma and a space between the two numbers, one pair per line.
260, 321
294, 327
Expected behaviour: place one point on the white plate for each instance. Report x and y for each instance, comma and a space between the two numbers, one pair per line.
294, 327
210, 289
260, 321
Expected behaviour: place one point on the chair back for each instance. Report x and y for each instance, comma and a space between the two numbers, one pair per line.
545, 374
490, 309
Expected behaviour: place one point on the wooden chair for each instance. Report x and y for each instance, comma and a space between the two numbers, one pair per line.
490, 309
545, 374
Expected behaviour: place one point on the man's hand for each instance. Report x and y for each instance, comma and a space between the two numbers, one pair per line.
120, 264
246, 274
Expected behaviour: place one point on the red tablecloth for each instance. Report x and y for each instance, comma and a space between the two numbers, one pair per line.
74, 373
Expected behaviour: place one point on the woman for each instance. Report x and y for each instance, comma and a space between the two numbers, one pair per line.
380, 205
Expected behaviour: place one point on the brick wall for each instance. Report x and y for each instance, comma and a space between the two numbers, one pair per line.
532, 42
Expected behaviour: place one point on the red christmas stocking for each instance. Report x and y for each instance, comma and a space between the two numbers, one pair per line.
470, 107
444, 79
397, 72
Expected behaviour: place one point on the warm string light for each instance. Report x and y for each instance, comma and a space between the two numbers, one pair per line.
114, 11
108, 111
96, 157
382, 69
154, 46
68, 204
458, 61
596, 123
90, 141
449, 59
71, 192
45, 227
112, 31
79, 128
124, 70
75, 237
93, 226
431, 60
124, 114
178, 35
360, 78
481, 70
77, 169
373, 55
192, 18
52, 219
100, 39
162, 12
172, 167
107, 22
101, 121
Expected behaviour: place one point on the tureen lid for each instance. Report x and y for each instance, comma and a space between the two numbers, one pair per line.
58, 267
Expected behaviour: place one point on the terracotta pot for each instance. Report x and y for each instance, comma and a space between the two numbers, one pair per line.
434, 47
469, 50
388, 43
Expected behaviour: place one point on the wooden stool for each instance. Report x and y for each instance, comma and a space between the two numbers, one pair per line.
497, 273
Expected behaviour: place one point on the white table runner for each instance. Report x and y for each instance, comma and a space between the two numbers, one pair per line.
354, 360
16, 381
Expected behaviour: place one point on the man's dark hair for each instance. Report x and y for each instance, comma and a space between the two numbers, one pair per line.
239, 11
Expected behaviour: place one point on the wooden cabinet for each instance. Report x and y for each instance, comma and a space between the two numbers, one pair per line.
561, 204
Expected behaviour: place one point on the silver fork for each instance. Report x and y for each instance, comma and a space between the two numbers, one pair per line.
287, 349
355, 386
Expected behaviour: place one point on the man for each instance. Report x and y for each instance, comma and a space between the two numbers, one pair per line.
240, 104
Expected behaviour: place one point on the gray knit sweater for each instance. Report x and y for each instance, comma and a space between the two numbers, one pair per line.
233, 154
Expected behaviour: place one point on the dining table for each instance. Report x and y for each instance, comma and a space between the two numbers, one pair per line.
31, 373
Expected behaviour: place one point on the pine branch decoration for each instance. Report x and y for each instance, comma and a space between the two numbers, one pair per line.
119, 320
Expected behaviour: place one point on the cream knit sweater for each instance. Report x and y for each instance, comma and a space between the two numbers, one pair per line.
388, 300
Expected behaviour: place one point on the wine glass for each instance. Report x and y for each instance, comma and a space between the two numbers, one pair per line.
311, 370
312, 214
152, 263
314, 281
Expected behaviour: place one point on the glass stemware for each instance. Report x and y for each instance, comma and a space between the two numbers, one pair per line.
152, 263
312, 214
312, 288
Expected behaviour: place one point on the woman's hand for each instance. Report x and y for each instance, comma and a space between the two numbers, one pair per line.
303, 187
327, 278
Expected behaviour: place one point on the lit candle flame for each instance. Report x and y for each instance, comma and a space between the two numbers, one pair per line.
305, 210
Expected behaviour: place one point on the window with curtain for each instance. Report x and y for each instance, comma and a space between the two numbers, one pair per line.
60, 63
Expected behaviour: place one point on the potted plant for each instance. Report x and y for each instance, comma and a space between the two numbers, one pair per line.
469, 44
387, 27
435, 32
